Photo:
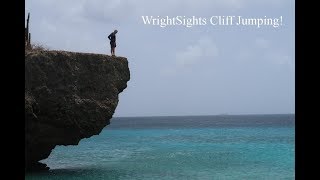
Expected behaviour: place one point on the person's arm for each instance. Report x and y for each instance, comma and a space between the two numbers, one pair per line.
109, 37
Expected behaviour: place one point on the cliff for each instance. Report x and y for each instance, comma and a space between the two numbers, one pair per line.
68, 96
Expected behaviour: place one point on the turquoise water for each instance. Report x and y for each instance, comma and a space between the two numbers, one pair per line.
221, 149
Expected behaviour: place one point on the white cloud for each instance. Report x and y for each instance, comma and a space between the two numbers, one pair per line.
203, 49
266, 50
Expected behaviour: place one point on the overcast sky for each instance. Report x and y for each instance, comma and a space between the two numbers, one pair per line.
176, 70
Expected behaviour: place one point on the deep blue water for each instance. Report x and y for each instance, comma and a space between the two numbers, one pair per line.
190, 147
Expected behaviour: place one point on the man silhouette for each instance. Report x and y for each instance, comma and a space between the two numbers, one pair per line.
112, 38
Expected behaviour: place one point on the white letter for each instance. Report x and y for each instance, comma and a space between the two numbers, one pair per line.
231, 19
163, 22
204, 21
260, 22
179, 20
147, 20
239, 20
276, 22
211, 20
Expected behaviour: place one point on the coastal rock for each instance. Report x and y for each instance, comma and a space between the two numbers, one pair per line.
68, 96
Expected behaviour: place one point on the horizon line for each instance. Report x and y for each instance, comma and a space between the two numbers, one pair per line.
221, 114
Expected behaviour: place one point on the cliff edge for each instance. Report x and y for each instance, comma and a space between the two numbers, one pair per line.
68, 96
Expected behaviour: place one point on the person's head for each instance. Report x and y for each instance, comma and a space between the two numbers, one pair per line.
115, 31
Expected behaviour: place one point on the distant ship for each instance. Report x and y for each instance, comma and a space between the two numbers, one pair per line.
223, 114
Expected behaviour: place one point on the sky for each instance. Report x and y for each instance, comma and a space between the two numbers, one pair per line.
179, 70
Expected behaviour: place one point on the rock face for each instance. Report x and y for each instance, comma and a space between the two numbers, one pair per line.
68, 96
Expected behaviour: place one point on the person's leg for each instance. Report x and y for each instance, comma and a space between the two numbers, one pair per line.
112, 51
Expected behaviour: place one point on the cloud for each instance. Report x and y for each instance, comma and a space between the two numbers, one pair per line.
203, 49
264, 50
200, 52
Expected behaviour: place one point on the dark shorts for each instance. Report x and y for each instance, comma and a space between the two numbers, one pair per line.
113, 44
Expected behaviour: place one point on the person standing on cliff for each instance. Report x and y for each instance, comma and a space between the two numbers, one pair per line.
112, 38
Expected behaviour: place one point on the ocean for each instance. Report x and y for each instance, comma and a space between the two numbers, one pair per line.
218, 147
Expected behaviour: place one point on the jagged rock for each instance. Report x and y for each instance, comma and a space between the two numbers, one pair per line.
68, 96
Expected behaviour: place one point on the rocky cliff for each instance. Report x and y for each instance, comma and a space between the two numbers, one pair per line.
68, 96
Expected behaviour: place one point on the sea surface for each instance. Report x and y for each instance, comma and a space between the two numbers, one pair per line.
184, 147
